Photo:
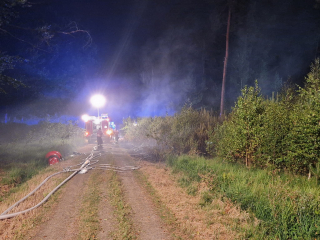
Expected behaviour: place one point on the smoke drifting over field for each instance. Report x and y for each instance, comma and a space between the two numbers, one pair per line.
150, 58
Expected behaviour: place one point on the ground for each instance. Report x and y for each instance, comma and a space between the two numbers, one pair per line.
146, 204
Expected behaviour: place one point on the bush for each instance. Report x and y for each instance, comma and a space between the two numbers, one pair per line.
239, 137
185, 132
281, 133
303, 141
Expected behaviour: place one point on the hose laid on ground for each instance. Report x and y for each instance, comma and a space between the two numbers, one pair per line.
84, 166
40, 203
115, 168
21, 200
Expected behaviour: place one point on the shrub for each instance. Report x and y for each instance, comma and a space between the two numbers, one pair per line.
239, 136
303, 141
185, 132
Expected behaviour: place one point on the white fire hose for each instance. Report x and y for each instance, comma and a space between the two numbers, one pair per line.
83, 169
4, 215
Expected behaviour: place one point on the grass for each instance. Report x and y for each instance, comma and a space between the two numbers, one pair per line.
286, 205
89, 224
18, 227
164, 212
22, 145
122, 211
21, 161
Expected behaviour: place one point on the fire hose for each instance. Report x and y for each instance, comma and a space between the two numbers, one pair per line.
83, 169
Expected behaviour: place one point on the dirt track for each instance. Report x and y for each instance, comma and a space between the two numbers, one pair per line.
67, 214
63, 221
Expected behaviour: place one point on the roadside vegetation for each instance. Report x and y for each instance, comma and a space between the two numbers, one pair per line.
163, 211
122, 211
20, 226
23, 148
89, 225
263, 155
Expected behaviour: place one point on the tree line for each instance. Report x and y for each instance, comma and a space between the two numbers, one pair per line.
281, 132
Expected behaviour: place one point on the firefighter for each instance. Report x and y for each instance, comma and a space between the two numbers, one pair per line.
99, 138
116, 135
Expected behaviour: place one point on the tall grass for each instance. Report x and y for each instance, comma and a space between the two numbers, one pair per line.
286, 205
23, 148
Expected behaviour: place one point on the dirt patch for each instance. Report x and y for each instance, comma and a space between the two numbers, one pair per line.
65, 213
216, 222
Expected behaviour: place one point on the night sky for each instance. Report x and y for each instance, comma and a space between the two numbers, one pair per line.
151, 57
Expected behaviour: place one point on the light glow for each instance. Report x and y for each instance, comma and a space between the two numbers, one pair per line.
97, 121
109, 132
85, 118
98, 101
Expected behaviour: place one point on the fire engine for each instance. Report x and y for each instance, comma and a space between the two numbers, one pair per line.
93, 123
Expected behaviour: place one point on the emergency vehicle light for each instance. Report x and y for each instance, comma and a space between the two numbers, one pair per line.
109, 131
86, 134
85, 118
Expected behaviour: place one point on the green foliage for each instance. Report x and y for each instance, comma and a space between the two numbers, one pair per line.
315, 171
303, 141
185, 132
238, 137
286, 205
8, 62
274, 128
276, 133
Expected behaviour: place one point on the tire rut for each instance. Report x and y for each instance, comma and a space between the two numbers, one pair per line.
63, 224
146, 220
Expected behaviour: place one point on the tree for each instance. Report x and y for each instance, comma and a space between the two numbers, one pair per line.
37, 41
225, 64
7, 13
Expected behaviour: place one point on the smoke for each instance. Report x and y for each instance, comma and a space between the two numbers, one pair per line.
171, 72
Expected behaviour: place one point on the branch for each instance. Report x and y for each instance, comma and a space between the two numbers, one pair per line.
73, 25
19, 39
48, 34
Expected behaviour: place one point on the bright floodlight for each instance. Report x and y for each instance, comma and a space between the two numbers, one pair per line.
85, 118
98, 101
